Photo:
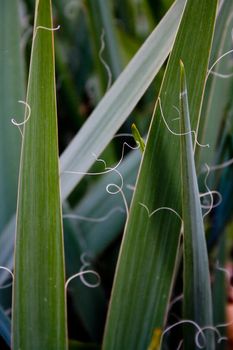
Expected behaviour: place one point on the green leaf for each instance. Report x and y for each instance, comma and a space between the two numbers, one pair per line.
197, 292
11, 90
119, 101
147, 261
39, 308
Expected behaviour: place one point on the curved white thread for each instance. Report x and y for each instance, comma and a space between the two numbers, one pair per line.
123, 134
180, 344
175, 300
27, 117
46, 28
86, 264
180, 134
221, 339
80, 274
215, 205
12, 276
119, 190
183, 322
219, 59
99, 159
91, 219
106, 66
222, 165
161, 208
108, 169
211, 328
220, 75
223, 325
219, 268
210, 193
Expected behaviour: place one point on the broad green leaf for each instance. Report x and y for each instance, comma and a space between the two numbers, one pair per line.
39, 308
11, 91
119, 101
145, 270
197, 292
5, 327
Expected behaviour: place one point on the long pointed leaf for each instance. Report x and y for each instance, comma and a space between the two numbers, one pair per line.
147, 260
39, 315
197, 293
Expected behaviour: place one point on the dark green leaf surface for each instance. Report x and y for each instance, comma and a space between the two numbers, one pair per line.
147, 260
197, 292
39, 312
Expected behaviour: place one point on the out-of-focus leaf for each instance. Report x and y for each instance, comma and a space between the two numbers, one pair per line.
5, 327
11, 91
218, 89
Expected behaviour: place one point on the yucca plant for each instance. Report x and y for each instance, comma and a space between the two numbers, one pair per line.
124, 242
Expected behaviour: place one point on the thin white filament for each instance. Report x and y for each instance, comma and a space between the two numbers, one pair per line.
108, 170
179, 134
123, 134
82, 269
215, 205
46, 28
106, 66
183, 322
222, 166
119, 190
27, 117
222, 269
175, 300
12, 276
82, 273
180, 344
210, 70
161, 208
201, 331
91, 219
210, 193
